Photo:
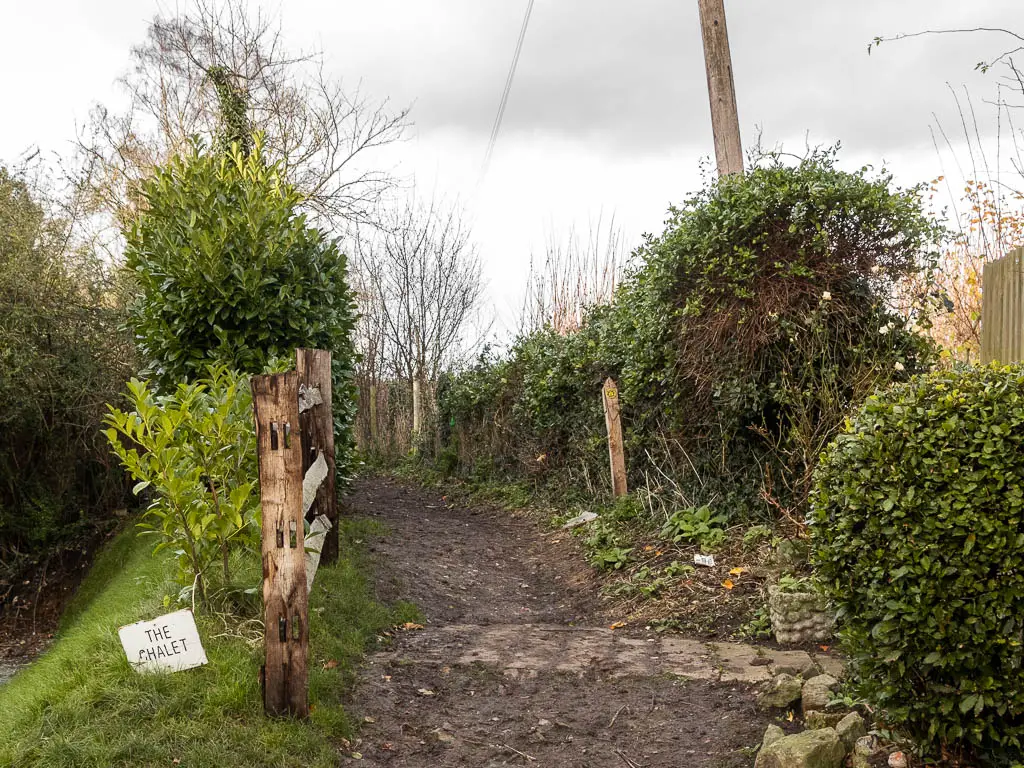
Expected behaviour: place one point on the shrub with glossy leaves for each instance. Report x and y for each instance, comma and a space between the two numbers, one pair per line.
230, 272
196, 451
918, 527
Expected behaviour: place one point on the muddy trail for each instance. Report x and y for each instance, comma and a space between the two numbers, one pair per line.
517, 664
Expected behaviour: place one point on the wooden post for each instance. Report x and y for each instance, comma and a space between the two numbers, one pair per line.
275, 402
374, 436
317, 424
616, 451
725, 121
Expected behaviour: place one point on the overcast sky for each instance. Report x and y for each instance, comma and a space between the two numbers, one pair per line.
608, 114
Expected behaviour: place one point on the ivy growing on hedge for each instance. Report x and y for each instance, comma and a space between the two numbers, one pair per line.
740, 339
918, 527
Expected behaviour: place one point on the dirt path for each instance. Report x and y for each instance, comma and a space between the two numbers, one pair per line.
517, 664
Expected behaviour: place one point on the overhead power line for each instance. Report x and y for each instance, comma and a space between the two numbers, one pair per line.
496, 128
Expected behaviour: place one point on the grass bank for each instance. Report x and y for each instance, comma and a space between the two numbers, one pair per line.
82, 706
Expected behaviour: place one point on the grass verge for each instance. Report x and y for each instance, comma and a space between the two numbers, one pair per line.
82, 706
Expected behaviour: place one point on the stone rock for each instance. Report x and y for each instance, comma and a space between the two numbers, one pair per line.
792, 554
441, 737
781, 692
866, 746
830, 665
796, 663
815, 719
817, 693
897, 760
772, 734
851, 728
810, 749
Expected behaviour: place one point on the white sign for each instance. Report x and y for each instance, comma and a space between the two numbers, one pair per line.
168, 642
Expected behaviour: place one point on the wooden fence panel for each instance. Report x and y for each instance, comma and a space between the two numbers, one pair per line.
1002, 309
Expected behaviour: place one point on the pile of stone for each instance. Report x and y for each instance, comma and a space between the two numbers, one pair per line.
832, 734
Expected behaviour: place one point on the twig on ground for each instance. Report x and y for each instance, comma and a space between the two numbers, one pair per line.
626, 760
528, 758
616, 716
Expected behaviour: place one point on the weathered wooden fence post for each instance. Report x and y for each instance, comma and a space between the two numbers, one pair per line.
616, 451
275, 401
316, 420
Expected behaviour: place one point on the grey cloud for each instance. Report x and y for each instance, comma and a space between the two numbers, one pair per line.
629, 76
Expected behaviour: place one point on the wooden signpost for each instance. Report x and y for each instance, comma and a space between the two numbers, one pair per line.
286, 612
616, 451
316, 422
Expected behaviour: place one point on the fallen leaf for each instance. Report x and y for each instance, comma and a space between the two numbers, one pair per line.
825, 647
425, 692
737, 571
330, 664
658, 553
411, 625
789, 717
387, 746
386, 678
648, 548
617, 625
357, 755
369, 719
727, 584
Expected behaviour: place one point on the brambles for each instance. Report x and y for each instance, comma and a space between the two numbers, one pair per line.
62, 357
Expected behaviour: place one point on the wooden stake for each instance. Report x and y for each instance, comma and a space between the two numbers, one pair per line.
725, 121
616, 451
275, 401
317, 425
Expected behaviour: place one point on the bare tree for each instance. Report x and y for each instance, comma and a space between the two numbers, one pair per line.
177, 84
421, 285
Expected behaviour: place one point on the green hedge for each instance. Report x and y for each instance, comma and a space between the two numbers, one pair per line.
740, 338
62, 357
918, 527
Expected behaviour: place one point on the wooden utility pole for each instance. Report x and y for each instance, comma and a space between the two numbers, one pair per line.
316, 422
725, 121
275, 401
616, 451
